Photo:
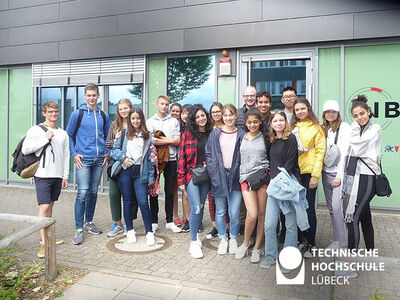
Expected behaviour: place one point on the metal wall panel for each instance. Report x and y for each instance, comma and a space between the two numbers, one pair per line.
28, 53
195, 2
71, 30
273, 10
27, 3
4, 37
88, 8
29, 16
169, 41
328, 28
3, 5
189, 17
373, 24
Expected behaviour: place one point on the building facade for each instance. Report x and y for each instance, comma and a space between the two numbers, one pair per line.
49, 49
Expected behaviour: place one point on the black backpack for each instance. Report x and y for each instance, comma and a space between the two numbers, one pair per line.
21, 161
79, 121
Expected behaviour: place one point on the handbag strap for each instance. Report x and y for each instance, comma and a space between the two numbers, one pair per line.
337, 135
380, 166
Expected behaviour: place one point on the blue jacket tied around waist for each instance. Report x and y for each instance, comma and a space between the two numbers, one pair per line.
289, 194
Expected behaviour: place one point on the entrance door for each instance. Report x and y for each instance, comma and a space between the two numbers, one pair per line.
273, 71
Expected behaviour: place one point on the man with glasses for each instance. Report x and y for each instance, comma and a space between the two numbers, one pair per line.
249, 97
289, 95
52, 173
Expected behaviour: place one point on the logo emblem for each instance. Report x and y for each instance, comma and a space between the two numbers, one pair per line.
290, 258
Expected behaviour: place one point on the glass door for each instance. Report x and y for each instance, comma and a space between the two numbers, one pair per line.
273, 71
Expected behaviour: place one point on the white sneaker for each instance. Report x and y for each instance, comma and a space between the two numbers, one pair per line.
173, 227
241, 251
308, 253
195, 250
198, 241
154, 227
233, 247
131, 236
223, 246
255, 256
150, 240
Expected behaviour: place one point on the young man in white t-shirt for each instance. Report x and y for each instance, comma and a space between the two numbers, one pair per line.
170, 127
53, 171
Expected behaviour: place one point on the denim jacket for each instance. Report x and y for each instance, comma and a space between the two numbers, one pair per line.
286, 190
146, 165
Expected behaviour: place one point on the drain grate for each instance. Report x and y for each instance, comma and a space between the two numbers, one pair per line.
121, 246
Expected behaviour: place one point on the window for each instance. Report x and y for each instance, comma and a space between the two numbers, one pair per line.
46, 95
191, 80
117, 92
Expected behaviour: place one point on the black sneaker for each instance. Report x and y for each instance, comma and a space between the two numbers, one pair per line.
212, 234
186, 227
201, 228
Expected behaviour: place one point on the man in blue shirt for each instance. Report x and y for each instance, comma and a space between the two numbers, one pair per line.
87, 129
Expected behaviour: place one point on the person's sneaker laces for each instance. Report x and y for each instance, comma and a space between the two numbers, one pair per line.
195, 250
150, 240
115, 230
131, 236
255, 256
241, 252
267, 262
177, 221
42, 251
223, 246
233, 246
173, 227
186, 227
92, 228
308, 251
154, 227
78, 237
212, 234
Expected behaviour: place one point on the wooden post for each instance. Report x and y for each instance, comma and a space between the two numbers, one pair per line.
50, 243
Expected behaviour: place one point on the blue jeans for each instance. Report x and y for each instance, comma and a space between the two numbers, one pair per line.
197, 195
271, 220
87, 179
235, 200
129, 183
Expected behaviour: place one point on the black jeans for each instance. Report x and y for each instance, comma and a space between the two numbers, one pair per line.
362, 213
169, 179
312, 216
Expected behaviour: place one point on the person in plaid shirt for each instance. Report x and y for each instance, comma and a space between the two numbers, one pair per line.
192, 155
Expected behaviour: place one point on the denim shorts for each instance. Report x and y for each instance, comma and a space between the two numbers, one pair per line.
47, 189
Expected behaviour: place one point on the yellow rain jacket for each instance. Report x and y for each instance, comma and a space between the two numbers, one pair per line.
311, 135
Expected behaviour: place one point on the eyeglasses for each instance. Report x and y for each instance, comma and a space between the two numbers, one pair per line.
249, 96
289, 97
52, 112
216, 112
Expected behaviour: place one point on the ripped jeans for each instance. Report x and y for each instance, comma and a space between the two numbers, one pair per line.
197, 195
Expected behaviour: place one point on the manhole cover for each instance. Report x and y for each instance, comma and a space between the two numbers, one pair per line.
121, 246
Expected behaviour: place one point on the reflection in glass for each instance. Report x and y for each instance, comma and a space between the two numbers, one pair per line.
82, 100
191, 80
275, 75
117, 92
45, 95
69, 104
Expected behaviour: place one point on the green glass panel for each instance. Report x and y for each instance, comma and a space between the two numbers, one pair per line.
328, 87
227, 90
374, 71
156, 83
20, 112
3, 125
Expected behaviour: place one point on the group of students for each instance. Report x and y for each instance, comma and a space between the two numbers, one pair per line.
271, 160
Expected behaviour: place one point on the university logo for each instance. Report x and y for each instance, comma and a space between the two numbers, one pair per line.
290, 258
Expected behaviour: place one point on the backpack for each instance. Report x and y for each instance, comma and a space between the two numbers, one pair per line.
25, 166
79, 121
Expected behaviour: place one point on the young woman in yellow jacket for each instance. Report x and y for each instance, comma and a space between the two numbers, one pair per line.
312, 146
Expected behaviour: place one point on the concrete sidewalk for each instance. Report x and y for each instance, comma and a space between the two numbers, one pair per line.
221, 274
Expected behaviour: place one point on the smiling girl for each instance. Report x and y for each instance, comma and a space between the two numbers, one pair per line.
253, 154
311, 156
137, 172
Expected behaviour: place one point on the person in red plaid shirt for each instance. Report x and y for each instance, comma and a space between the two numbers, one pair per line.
192, 155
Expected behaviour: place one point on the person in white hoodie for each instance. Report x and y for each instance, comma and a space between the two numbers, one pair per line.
337, 133
52, 173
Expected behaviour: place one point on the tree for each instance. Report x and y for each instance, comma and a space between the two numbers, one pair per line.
186, 74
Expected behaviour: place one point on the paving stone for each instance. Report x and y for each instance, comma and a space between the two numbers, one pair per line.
89, 293
148, 288
129, 296
198, 294
106, 281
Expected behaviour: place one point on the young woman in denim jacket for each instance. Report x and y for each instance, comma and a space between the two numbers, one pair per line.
137, 172
283, 153
192, 155
254, 157
223, 162
312, 145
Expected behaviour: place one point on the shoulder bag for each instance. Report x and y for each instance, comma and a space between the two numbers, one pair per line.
382, 188
114, 167
257, 179
200, 175
332, 155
